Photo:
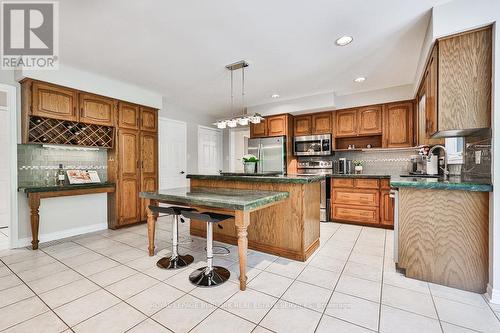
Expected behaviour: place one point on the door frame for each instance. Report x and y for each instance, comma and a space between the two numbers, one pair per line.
219, 148
13, 214
180, 122
232, 156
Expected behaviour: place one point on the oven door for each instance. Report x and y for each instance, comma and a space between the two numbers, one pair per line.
312, 145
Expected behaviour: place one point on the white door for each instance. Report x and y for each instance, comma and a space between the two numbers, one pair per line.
8, 151
238, 146
209, 150
172, 143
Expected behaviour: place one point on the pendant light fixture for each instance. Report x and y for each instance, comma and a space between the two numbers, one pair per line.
242, 119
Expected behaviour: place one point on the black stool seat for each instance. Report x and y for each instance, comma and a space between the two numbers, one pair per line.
210, 275
172, 210
206, 216
176, 260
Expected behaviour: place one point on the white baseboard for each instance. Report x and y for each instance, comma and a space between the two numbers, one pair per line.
63, 234
493, 295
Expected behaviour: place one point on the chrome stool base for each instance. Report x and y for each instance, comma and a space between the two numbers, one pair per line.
175, 263
216, 276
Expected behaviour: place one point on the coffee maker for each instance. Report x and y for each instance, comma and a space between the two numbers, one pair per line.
344, 166
418, 165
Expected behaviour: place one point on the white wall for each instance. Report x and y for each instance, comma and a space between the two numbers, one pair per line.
172, 110
458, 16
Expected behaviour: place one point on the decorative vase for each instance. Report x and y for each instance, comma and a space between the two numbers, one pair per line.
358, 169
249, 167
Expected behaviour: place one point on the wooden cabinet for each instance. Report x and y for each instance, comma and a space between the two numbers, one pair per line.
346, 123
302, 125
259, 130
53, 101
454, 98
363, 201
370, 120
277, 125
128, 115
129, 176
398, 125
149, 119
96, 109
322, 123
149, 166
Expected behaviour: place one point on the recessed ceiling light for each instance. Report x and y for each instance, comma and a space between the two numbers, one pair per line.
343, 41
360, 79
275, 96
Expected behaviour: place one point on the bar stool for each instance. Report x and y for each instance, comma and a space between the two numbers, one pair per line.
175, 260
208, 276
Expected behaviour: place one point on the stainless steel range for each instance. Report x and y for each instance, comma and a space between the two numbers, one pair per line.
319, 167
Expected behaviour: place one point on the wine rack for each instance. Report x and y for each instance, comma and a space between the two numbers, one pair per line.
63, 132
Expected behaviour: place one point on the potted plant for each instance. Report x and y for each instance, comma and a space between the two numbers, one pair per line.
358, 167
250, 163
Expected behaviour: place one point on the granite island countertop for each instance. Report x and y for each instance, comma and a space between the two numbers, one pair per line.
65, 187
224, 198
292, 179
453, 183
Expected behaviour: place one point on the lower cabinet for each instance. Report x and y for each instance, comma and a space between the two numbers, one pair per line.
362, 201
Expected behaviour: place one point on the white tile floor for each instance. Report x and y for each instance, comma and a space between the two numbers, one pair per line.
105, 282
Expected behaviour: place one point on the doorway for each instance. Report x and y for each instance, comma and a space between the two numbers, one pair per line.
209, 150
8, 166
172, 155
238, 146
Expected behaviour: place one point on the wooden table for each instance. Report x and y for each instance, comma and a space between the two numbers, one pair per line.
234, 202
35, 193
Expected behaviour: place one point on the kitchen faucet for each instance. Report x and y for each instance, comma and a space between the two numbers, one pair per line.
445, 169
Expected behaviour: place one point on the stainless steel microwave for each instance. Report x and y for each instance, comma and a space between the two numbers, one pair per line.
312, 145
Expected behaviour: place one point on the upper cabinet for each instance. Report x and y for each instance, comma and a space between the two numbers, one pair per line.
271, 126
346, 123
370, 120
398, 125
259, 130
359, 122
302, 125
128, 115
317, 123
149, 119
54, 102
96, 109
322, 123
277, 125
457, 85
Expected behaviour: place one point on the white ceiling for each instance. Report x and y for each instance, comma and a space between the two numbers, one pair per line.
179, 48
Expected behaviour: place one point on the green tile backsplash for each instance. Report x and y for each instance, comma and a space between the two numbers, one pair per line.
38, 165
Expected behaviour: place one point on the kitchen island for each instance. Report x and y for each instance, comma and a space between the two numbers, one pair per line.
442, 231
289, 229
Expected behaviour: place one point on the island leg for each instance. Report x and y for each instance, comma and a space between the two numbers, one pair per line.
34, 203
151, 226
242, 220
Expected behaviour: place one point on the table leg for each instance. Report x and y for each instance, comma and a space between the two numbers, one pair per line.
151, 226
242, 220
34, 203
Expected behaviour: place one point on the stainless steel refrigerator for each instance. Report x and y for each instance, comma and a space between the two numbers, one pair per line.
271, 153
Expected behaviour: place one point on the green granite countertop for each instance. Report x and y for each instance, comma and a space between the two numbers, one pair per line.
66, 187
453, 183
293, 179
223, 198
359, 176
